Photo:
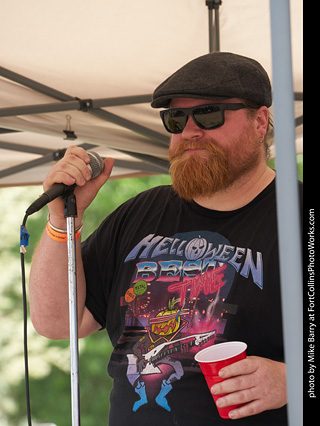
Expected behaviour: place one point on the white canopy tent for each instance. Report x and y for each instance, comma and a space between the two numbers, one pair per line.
91, 68
113, 54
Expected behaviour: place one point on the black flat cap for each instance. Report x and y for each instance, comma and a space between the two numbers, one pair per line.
216, 76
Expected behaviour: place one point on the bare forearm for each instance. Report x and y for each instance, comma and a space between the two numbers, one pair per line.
49, 300
49, 295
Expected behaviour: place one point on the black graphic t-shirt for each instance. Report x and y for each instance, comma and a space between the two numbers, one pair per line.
168, 278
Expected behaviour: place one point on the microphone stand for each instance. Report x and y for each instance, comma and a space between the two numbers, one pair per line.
70, 212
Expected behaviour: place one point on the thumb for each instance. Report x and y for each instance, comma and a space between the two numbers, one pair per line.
105, 174
88, 192
108, 166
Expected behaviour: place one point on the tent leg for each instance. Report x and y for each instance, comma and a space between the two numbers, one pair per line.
288, 207
214, 37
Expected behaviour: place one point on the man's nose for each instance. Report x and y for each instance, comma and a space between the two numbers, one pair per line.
191, 130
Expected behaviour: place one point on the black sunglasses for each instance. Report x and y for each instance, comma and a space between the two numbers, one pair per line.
205, 116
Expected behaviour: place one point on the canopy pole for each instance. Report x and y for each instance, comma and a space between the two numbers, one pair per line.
214, 36
288, 211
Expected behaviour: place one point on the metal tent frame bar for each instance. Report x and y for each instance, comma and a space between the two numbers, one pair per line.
214, 29
288, 211
89, 104
77, 104
49, 91
148, 165
151, 164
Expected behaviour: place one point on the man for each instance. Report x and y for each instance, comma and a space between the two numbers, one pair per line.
176, 269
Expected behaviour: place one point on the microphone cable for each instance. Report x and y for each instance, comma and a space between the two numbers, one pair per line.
95, 166
24, 242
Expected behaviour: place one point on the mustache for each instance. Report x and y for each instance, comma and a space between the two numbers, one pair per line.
185, 145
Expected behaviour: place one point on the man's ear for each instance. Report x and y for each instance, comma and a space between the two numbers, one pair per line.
261, 119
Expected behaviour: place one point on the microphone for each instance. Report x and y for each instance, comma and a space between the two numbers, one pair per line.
95, 167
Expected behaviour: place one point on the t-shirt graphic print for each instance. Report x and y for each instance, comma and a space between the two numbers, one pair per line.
176, 304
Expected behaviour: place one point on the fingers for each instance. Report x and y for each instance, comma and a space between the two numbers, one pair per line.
238, 386
71, 169
258, 383
245, 366
97, 182
254, 407
250, 407
239, 390
234, 384
241, 396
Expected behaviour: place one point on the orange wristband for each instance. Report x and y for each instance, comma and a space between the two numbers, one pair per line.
60, 236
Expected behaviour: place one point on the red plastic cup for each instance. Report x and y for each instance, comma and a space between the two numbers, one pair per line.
212, 359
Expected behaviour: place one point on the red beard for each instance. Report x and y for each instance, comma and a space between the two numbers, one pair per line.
199, 173
211, 169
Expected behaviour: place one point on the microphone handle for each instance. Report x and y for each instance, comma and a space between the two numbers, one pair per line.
56, 190
95, 166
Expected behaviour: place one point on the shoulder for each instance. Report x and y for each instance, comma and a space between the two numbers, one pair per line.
163, 191
154, 197
131, 218
146, 203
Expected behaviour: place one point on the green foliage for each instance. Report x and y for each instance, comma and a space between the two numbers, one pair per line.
49, 361
272, 164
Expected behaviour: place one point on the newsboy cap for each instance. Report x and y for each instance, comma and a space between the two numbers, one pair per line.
216, 76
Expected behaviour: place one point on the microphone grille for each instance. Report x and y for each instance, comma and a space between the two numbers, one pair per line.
96, 164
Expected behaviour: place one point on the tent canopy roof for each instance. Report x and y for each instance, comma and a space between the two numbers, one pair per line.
112, 55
